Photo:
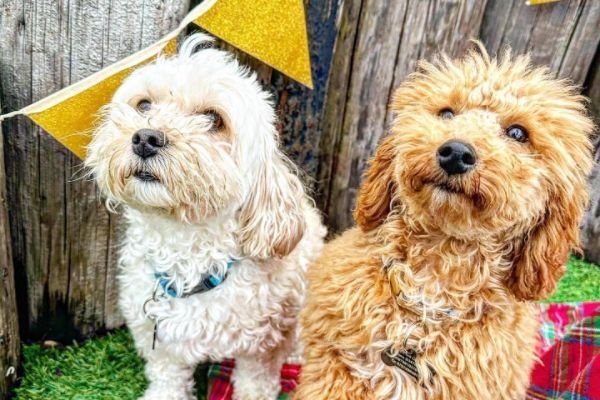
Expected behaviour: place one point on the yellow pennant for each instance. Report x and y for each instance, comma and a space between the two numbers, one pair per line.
274, 31
70, 114
536, 2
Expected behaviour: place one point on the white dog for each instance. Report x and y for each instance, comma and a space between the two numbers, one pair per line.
220, 230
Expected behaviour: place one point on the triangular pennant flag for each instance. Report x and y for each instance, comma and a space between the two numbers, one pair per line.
274, 31
536, 2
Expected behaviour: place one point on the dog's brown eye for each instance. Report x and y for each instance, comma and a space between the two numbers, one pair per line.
144, 106
446, 113
215, 118
517, 133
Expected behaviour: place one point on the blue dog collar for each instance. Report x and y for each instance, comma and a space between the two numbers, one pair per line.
207, 283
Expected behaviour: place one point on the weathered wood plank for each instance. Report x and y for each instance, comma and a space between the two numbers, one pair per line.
21, 156
9, 325
562, 35
583, 44
63, 237
437, 27
335, 98
391, 38
373, 61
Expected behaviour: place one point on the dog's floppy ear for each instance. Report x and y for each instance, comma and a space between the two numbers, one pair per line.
541, 260
377, 189
272, 218
540, 257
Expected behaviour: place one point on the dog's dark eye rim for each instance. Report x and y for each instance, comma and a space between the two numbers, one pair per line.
446, 113
518, 133
216, 119
144, 105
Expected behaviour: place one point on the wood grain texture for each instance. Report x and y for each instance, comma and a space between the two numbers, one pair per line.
563, 35
299, 109
63, 238
372, 68
335, 98
434, 27
577, 61
9, 324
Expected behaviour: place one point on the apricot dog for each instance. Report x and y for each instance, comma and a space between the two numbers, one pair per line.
467, 213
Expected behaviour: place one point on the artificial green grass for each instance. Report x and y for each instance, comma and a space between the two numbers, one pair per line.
580, 283
108, 368
100, 369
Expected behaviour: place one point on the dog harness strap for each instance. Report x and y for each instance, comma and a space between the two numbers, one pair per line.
207, 283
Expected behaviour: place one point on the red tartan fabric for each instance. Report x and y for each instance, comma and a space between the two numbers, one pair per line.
570, 369
558, 318
221, 388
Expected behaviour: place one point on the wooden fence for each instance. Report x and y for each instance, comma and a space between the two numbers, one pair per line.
9, 326
56, 232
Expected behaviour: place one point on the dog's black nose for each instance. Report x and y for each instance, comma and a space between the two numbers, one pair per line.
146, 142
456, 157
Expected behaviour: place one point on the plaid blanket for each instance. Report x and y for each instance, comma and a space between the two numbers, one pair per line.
220, 388
569, 353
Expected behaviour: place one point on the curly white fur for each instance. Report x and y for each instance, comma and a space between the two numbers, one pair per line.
218, 195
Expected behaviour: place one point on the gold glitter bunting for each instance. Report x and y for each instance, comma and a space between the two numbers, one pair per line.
269, 30
274, 31
536, 2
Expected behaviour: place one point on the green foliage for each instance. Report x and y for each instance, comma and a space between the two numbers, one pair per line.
108, 368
